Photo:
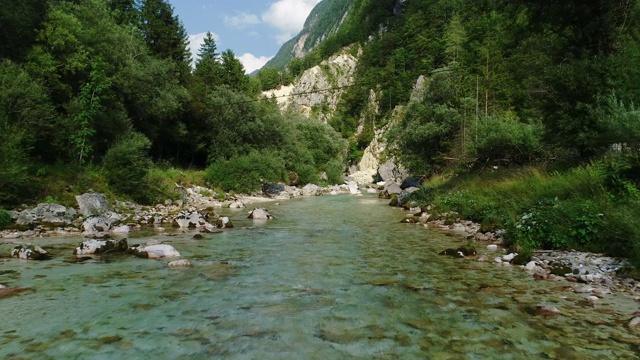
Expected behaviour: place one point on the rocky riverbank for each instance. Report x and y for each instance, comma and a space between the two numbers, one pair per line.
94, 215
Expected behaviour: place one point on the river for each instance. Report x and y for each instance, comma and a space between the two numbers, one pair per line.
332, 277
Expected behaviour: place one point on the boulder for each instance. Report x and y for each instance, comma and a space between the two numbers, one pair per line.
237, 205
353, 188
270, 189
92, 204
29, 252
311, 190
100, 223
94, 246
260, 214
409, 183
46, 214
390, 172
223, 222
188, 219
153, 250
391, 188
403, 198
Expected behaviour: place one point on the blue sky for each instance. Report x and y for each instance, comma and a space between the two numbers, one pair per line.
253, 29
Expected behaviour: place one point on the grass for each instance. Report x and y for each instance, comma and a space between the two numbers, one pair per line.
584, 208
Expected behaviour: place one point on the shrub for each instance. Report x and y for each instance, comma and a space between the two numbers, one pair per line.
126, 166
246, 173
505, 140
5, 218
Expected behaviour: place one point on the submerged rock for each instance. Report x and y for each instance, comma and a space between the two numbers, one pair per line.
93, 246
179, 263
260, 214
223, 222
29, 252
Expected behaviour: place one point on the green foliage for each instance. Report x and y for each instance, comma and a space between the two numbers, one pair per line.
504, 140
246, 173
5, 218
270, 78
126, 166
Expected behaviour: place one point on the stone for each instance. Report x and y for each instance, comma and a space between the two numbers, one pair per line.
47, 215
237, 205
391, 188
179, 263
154, 251
509, 257
483, 258
271, 189
29, 252
100, 223
409, 183
634, 322
311, 190
260, 214
94, 247
122, 229
547, 310
92, 203
492, 247
187, 219
531, 265
353, 188
452, 252
224, 223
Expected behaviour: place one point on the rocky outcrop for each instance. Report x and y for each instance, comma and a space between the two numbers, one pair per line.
46, 215
29, 252
95, 246
311, 190
333, 74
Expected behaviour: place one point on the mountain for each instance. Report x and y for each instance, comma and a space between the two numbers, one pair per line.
323, 21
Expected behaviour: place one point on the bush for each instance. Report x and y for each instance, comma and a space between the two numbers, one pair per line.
13, 166
246, 173
505, 140
126, 166
5, 218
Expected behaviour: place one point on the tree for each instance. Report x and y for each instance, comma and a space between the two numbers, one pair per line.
165, 35
233, 74
19, 21
270, 78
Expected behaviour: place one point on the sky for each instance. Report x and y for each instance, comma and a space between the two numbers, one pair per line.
253, 29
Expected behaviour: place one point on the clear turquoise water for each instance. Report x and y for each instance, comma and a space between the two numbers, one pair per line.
333, 277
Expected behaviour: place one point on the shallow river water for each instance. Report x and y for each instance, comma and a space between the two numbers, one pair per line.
333, 277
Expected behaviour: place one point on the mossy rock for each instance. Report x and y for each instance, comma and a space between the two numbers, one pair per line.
468, 250
521, 259
561, 271
394, 200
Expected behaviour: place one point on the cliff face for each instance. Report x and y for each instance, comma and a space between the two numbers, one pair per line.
318, 90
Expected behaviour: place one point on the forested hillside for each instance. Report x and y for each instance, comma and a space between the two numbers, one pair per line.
101, 93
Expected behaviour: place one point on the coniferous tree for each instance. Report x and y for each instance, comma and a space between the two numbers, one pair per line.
165, 35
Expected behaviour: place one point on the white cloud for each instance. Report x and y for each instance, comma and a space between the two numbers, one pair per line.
252, 63
241, 20
288, 16
196, 41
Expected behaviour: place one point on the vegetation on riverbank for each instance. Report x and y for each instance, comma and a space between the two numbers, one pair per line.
591, 207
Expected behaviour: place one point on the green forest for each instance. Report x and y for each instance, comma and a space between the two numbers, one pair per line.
102, 94
528, 121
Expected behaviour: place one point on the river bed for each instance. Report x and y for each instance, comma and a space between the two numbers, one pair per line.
332, 277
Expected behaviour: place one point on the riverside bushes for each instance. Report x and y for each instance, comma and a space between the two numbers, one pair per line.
587, 208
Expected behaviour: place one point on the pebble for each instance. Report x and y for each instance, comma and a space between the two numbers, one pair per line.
497, 260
